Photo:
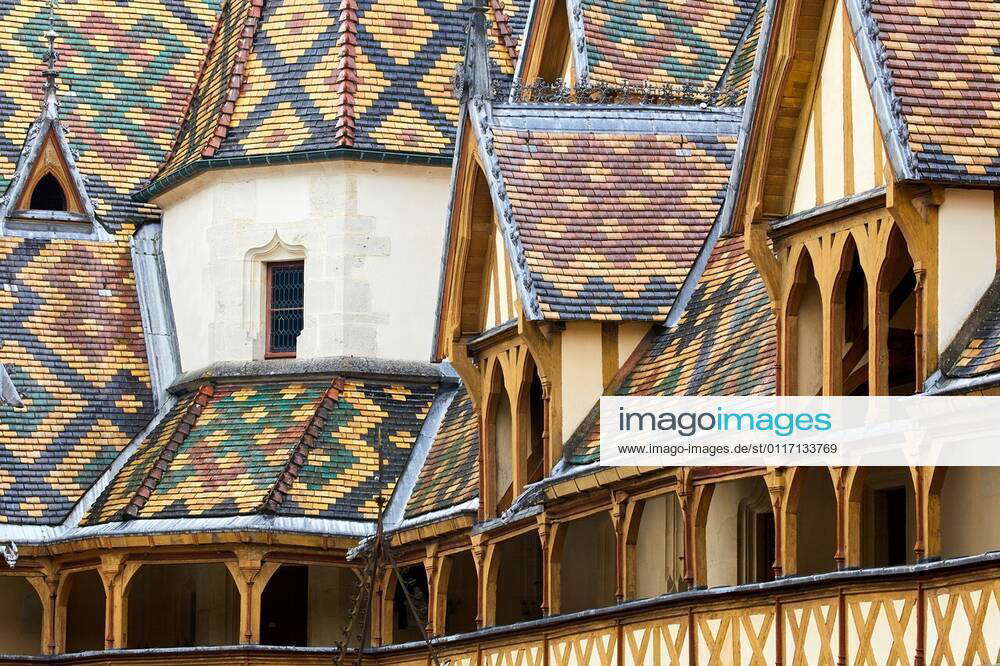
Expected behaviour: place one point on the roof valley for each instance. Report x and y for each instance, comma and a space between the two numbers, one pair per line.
297, 458
166, 455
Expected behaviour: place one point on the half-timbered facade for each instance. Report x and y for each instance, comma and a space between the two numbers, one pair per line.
216, 309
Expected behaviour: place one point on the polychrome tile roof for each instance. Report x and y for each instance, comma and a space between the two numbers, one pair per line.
125, 71
290, 447
450, 475
980, 355
71, 338
723, 344
608, 222
741, 66
664, 42
311, 75
339, 478
944, 63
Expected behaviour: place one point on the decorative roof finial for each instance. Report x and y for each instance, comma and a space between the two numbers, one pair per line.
51, 57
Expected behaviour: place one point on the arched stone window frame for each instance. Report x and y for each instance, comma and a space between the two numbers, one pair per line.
255, 287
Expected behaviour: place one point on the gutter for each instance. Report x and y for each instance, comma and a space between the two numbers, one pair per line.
161, 185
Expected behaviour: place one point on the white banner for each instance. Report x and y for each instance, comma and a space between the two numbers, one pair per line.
785, 431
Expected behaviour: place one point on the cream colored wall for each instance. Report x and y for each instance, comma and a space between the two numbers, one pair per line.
330, 592
659, 547
970, 503
722, 530
809, 353
504, 434
588, 564
966, 257
21, 623
842, 95
502, 302
630, 334
582, 374
371, 234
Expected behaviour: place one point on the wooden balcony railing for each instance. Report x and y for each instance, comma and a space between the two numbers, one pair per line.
930, 614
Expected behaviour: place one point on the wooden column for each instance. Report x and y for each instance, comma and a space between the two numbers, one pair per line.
251, 573
775, 481
552, 547
46, 585
619, 507
853, 487
920, 505
437, 598
632, 520
116, 573
840, 493
878, 340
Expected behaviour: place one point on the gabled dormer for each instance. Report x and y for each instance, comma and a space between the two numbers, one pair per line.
47, 195
861, 203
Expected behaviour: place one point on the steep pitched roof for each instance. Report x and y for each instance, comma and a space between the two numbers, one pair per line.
71, 337
724, 344
669, 42
608, 207
938, 64
125, 70
289, 77
291, 447
450, 474
70, 328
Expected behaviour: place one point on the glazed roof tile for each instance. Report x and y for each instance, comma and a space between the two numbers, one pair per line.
71, 338
450, 474
286, 447
723, 344
944, 67
669, 42
125, 72
608, 223
316, 75
70, 328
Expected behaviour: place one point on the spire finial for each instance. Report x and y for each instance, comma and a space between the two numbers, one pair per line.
51, 57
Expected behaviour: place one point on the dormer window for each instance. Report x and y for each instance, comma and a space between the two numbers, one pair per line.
47, 197
48, 194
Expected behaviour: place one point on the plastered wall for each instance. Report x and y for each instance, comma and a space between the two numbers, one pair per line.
970, 503
371, 236
659, 547
21, 612
967, 257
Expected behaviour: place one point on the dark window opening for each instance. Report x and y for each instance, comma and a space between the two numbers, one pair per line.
764, 547
892, 501
48, 194
407, 627
284, 607
285, 291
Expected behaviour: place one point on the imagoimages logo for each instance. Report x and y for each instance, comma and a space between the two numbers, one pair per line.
800, 431
688, 424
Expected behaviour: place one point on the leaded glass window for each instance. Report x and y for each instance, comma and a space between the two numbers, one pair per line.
284, 307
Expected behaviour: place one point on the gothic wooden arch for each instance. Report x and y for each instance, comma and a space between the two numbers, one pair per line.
794, 479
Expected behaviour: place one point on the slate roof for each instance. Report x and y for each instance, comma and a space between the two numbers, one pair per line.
608, 223
293, 76
944, 67
125, 71
71, 337
70, 329
450, 474
281, 446
723, 344
668, 42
